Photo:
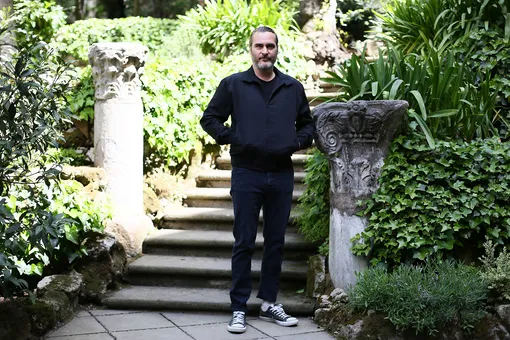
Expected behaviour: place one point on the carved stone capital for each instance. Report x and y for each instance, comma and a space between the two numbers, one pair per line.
116, 68
356, 137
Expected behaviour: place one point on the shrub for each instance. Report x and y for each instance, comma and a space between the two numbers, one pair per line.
66, 156
46, 230
355, 17
36, 21
174, 100
475, 31
81, 95
442, 95
74, 40
224, 26
413, 24
436, 201
422, 298
496, 271
32, 112
314, 203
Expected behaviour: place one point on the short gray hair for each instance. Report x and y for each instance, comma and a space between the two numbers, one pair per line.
262, 29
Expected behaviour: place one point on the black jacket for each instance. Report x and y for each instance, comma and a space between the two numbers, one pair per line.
263, 134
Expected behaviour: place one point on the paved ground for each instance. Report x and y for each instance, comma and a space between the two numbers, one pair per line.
96, 324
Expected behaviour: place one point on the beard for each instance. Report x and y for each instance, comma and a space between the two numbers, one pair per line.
264, 65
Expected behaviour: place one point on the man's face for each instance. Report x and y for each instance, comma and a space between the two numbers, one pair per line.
263, 50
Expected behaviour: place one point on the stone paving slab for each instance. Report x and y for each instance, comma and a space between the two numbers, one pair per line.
96, 336
104, 324
80, 325
219, 331
153, 334
134, 321
306, 325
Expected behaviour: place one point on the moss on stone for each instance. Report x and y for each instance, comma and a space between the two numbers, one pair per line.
14, 321
60, 304
41, 315
96, 279
377, 326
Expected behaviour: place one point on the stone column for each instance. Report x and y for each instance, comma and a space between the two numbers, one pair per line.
356, 137
118, 134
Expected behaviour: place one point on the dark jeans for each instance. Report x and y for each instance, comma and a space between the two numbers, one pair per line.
252, 190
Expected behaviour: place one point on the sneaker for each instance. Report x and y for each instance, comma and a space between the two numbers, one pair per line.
276, 314
238, 323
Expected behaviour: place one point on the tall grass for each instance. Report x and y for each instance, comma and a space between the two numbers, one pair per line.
412, 24
444, 98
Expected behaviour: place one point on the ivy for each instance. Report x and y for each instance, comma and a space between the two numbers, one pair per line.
435, 201
314, 203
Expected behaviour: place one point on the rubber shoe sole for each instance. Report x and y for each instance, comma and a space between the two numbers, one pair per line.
233, 329
289, 323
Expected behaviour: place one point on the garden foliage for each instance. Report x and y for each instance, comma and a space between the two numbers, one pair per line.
447, 99
435, 201
413, 24
477, 32
456, 83
178, 80
422, 298
496, 271
356, 17
74, 40
224, 26
36, 21
41, 224
314, 219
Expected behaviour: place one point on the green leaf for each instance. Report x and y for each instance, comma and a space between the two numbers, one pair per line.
421, 104
424, 127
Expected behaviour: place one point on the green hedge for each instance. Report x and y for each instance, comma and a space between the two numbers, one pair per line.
436, 201
74, 40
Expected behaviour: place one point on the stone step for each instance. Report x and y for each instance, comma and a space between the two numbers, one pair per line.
194, 218
221, 179
218, 243
328, 87
205, 272
317, 98
218, 197
298, 160
199, 299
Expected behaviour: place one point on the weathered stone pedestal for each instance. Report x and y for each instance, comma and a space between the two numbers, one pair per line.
356, 137
118, 135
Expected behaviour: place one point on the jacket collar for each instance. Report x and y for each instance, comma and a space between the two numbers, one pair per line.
250, 77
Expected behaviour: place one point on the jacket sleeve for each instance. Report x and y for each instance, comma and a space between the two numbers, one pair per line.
217, 113
305, 126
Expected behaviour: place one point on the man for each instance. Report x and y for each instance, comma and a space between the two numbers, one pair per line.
270, 121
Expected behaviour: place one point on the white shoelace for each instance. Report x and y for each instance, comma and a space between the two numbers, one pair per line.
278, 311
238, 318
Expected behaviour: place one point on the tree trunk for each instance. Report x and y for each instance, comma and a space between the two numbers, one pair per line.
136, 8
318, 22
78, 9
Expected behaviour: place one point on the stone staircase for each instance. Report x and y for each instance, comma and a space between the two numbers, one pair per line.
186, 264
